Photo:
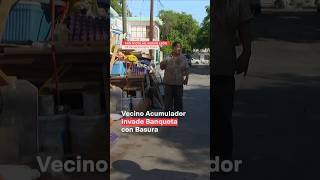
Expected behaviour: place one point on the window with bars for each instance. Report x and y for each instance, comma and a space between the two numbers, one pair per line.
138, 31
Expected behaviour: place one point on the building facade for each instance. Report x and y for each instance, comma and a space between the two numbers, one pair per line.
139, 30
116, 29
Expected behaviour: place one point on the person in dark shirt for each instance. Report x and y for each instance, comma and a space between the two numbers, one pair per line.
229, 17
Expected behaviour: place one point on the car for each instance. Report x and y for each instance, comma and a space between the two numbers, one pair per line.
205, 61
195, 61
189, 59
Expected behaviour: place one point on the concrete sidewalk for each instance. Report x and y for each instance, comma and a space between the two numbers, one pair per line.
173, 153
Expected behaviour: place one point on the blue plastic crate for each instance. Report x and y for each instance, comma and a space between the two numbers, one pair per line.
26, 23
118, 69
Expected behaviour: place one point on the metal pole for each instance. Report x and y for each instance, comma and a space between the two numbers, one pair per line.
151, 20
151, 26
124, 16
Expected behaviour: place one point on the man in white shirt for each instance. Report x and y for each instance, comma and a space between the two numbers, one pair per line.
175, 76
229, 17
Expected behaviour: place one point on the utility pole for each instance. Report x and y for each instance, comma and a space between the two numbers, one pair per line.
151, 25
124, 16
151, 20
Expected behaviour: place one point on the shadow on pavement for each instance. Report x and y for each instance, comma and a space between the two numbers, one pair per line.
277, 129
136, 173
193, 131
192, 137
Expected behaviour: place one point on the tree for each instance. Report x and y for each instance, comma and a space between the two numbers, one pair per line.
179, 27
116, 5
203, 36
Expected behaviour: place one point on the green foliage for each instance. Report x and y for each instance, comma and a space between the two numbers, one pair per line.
116, 5
179, 27
203, 36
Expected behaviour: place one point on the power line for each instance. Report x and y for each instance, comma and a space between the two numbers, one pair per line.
159, 1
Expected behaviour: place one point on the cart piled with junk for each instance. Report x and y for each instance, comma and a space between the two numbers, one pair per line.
135, 85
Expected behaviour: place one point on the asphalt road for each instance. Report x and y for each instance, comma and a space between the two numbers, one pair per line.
277, 112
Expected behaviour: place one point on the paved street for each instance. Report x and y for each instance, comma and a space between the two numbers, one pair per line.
277, 112
173, 153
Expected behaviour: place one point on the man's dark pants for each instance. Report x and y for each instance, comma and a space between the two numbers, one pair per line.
173, 97
223, 97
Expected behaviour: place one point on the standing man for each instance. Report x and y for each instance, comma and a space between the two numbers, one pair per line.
229, 17
175, 76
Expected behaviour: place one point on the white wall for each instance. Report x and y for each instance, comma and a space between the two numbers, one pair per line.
143, 25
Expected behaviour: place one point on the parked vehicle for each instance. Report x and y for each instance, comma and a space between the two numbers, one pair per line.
201, 58
205, 61
195, 61
205, 58
189, 59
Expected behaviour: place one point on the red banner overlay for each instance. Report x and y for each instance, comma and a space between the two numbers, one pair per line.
125, 122
147, 43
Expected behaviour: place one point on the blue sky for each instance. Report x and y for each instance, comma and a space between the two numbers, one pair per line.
194, 7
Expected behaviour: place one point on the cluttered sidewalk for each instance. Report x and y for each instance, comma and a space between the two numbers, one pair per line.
172, 153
